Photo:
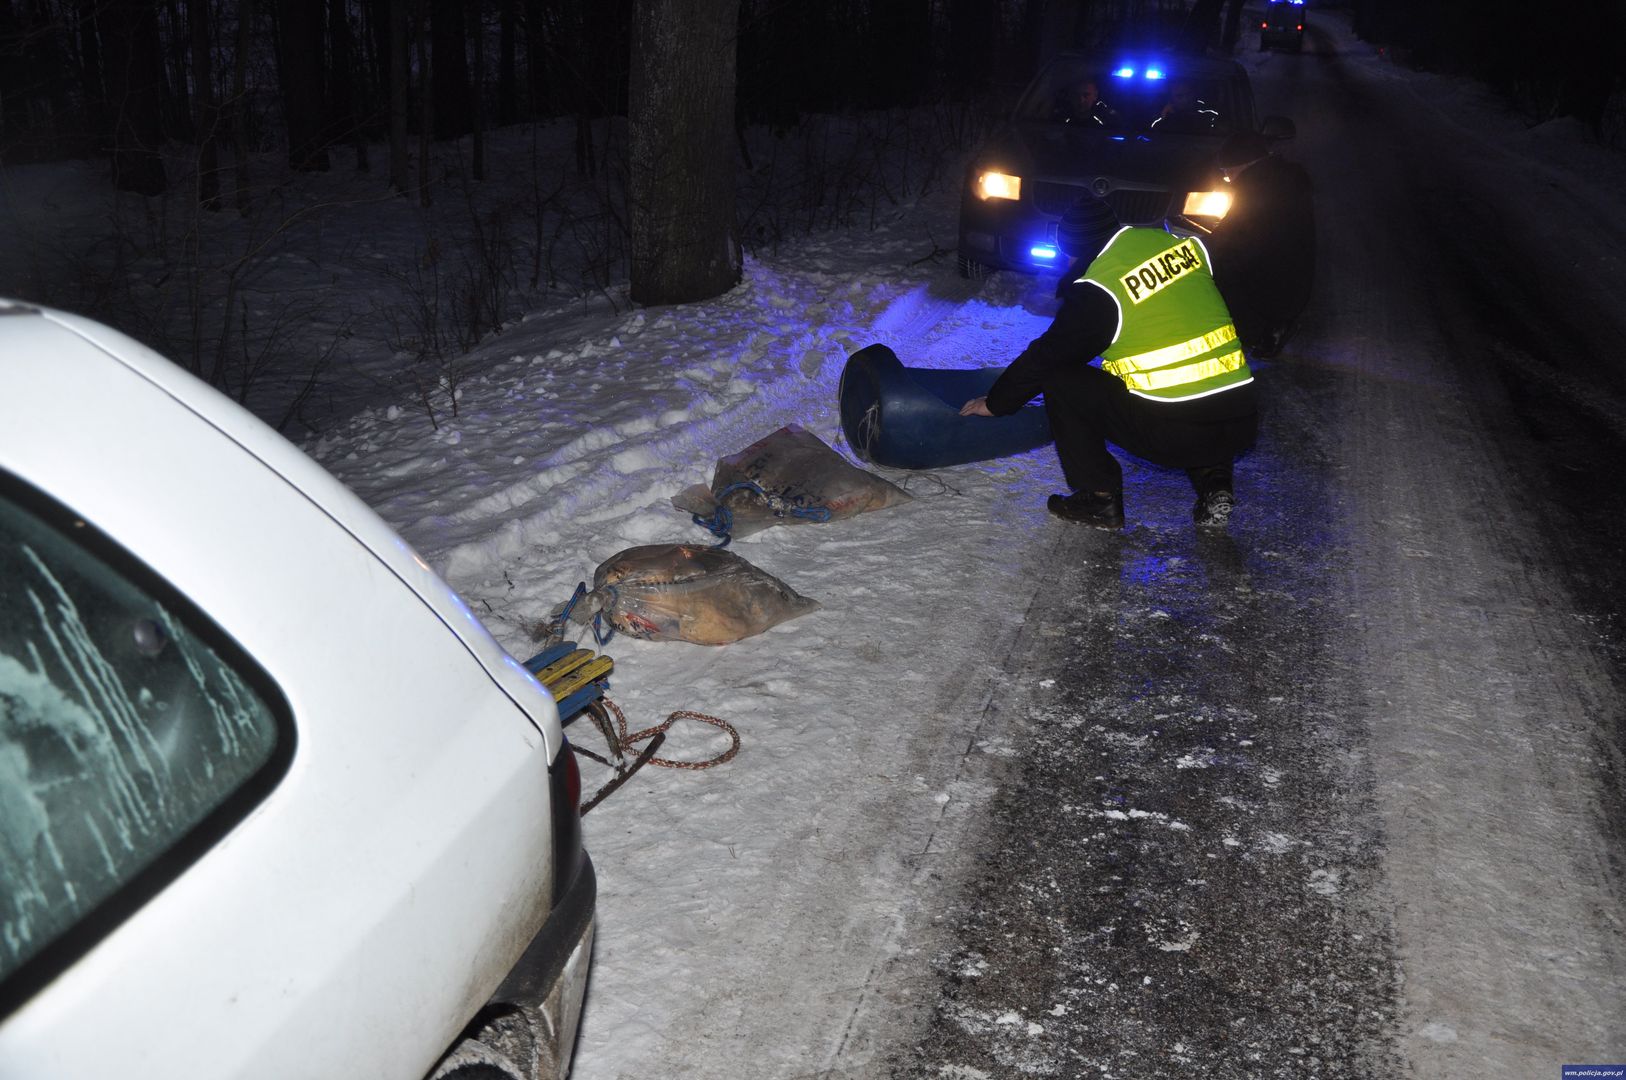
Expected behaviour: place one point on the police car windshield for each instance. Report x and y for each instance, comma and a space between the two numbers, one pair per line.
1127, 99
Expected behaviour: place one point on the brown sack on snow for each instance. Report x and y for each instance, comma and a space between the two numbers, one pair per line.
805, 481
684, 592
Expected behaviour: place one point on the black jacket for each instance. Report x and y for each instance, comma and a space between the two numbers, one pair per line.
1082, 329
1084, 326
1264, 249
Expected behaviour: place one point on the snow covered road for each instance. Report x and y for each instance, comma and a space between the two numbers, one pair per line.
774, 917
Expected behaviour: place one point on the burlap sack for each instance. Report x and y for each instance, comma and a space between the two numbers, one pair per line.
684, 592
796, 479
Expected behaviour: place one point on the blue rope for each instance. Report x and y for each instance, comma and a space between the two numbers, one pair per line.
599, 623
721, 521
600, 635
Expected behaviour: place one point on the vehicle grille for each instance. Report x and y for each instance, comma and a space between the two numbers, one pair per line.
1133, 207
1052, 198
1139, 207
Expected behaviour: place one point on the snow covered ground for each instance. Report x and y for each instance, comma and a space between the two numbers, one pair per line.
793, 859
769, 889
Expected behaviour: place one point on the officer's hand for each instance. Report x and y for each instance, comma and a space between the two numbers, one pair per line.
977, 406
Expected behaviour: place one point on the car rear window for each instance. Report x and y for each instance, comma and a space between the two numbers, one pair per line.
133, 733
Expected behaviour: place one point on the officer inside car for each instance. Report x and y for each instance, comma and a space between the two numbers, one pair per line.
1081, 104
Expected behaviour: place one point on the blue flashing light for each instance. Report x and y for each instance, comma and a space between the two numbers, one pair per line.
1119, 138
1043, 251
1151, 72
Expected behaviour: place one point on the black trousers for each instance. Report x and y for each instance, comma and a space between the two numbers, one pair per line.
1089, 408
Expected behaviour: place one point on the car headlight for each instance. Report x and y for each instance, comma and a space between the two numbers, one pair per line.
1213, 204
998, 185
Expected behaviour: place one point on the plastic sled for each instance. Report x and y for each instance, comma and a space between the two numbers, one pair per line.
909, 418
575, 677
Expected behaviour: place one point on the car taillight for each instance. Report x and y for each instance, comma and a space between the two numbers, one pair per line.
565, 789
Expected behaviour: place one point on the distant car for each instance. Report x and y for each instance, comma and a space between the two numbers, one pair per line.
1282, 26
273, 803
1146, 144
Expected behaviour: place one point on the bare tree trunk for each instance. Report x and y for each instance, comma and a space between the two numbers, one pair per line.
400, 64
344, 119
299, 68
536, 67
476, 113
1202, 25
179, 108
90, 62
1059, 26
586, 152
239, 110
685, 243
973, 36
451, 84
899, 52
135, 91
507, 72
1233, 25
203, 96
426, 101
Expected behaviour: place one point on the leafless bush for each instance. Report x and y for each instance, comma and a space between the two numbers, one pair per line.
580, 232
1612, 125
428, 329
192, 283
839, 171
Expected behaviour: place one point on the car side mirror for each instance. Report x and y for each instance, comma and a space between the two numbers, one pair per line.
1276, 128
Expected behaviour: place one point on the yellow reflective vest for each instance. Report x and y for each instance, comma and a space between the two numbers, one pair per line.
1175, 339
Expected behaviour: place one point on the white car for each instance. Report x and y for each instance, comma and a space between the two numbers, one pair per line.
273, 803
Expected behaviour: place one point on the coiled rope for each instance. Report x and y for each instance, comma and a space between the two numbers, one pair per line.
868, 428
625, 740
619, 739
721, 521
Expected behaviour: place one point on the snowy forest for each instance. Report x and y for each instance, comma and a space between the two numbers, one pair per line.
551, 147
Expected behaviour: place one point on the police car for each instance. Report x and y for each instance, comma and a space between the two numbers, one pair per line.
1282, 26
1137, 130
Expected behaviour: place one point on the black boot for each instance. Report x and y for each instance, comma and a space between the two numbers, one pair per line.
1213, 509
1214, 498
1102, 509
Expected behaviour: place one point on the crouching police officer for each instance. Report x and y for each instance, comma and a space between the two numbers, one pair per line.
1173, 387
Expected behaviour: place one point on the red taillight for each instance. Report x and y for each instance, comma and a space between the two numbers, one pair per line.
573, 777
1264, 26
1299, 28
565, 787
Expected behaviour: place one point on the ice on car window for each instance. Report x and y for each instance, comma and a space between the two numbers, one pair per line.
121, 729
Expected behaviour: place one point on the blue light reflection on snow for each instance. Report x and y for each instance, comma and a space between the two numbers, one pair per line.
1146, 568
